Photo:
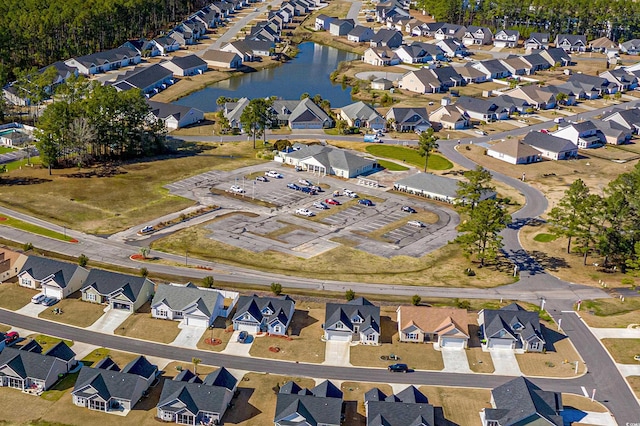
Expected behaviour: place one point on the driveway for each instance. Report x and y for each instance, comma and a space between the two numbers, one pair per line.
111, 320
189, 336
337, 353
505, 362
588, 418
33, 309
455, 361
236, 348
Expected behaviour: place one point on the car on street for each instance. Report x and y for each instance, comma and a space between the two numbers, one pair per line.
293, 186
320, 205
416, 223
398, 368
365, 202
273, 174
305, 212
304, 182
332, 202
236, 189
146, 229
262, 179
11, 337
481, 132
408, 209
50, 301
243, 336
38, 298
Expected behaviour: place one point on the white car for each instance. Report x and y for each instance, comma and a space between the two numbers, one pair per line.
349, 193
304, 182
146, 229
305, 212
38, 298
481, 132
237, 189
416, 223
273, 174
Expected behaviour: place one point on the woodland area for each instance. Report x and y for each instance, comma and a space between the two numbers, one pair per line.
40, 32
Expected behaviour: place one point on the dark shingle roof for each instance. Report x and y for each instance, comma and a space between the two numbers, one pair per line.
179, 298
61, 351
142, 77
105, 283
108, 383
409, 407
255, 305
310, 404
345, 312
40, 268
548, 142
27, 364
222, 378
188, 62
520, 400
141, 367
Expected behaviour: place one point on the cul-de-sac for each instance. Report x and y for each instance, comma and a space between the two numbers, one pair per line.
320, 212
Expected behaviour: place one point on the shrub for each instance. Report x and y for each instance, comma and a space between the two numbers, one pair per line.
83, 260
416, 299
144, 272
350, 295
276, 288
27, 246
469, 272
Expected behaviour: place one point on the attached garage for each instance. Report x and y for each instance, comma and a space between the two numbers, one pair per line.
453, 343
52, 292
249, 328
122, 306
499, 344
196, 321
338, 337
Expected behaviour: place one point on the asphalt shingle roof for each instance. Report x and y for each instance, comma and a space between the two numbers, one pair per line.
407, 408
106, 283
178, 298
40, 268
310, 404
519, 401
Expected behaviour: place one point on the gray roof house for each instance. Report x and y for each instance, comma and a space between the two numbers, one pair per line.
308, 115
249, 49
321, 405
360, 114
571, 42
341, 27
267, 314
492, 68
101, 62
514, 151
434, 187
31, 371
111, 390
551, 147
220, 59
621, 79
150, 80
56, 279
355, 321
408, 407
327, 160
511, 327
322, 22
481, 109
360, 34
189, 303
628, 118
585, 134
120, 291
630, 47
386, 38
408, 119
174, 116
614, 133
188, 400
506, 38
183, 66
477, 36
556, 56
520, 402
537, 41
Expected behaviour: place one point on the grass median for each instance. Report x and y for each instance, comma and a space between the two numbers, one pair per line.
410, 156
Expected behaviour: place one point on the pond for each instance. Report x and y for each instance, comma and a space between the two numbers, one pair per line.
307, 72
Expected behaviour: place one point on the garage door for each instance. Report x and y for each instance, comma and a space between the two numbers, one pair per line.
499, 344
122, 306
200, 322
53, 292
339, 337
452, 343
247, 328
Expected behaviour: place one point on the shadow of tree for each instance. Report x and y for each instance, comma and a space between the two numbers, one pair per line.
549, 262
301, 319
22, 181
474, 339
351, 415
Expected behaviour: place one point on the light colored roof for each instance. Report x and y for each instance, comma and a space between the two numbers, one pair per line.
218, 55
179, 297
361, 111
432, 319
514, 148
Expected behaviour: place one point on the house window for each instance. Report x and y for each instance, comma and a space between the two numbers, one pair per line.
534, 346
12, 382
371, 337
356, 320
90, 297
339, 325
277, 329
185, 419
25, 282
97, 405
412, 336
162, 313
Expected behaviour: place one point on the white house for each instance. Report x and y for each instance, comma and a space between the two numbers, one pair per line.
174, 116
357, 320
514, 151
188, 303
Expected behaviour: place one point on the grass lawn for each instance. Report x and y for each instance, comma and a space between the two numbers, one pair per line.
34, 229
47, 342
6, 149
419, 356
578, 402
141, 325
120, 358
634, 381
479, 361
61, 387
105, 200
460, 406
544, 238
74, 312
409, 155
391, 166
552, 363
215, 333
623, 350
603, 313
305, 344
4, 328
353, 396
256, 402
14, 297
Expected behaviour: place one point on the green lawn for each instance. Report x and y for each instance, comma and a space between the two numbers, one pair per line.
410, 156
391, 166
34, 229
47, 342
6, 149
544, 238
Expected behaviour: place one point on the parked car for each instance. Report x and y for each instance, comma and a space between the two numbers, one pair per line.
273, 174
50, 301
481, 132
316, 188
365, 202
416, 223
349, 193
243, 336
398, 368
11, 337
293, 186
320, 205
304, 182
298, 168
308, 190
332, 202
305, 212
237, 189
408, 209
262, 179
38, 298
146, 229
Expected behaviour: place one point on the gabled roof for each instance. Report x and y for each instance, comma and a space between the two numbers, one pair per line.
221, 378
256, 305
193, 396
162, 110
547, 142
61, 351
41, 267
359, 30
315, 406
493, 66
512, 319
187, 376
602, 43
141, 367
142, 77
179, 298
331, 158
346, 312
408, 408
27, 364
535, 60
611, 128
630, 116
435, 184
508, 33
430, 319
384, 35
106, 283
519, 402
514, 148
107, 364
571, 39
360, 110
107, 56
483, 106
407, 115
107, 383
188, 62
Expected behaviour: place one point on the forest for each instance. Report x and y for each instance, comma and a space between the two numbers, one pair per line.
619, 20
40, 32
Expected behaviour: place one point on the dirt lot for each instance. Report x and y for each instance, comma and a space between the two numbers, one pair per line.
141, 325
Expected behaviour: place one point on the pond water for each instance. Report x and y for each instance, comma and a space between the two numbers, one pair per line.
307, 72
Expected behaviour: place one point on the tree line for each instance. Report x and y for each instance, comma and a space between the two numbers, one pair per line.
88, 122
618, 20
38, 33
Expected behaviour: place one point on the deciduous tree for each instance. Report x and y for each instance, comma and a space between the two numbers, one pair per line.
427, 143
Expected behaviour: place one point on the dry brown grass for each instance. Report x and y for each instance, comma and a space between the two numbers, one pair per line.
4, 328
604, 313
581, 403
559, 363
14, 297
120, 358
460, 406
74, 311
305, 344
634, 382
479, 361
623, 350
141, 325
46, 342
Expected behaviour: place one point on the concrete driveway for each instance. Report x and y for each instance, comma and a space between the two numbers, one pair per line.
455, 361
505, 362
189, 336
337, 353
236, 348
111, 320
33, 309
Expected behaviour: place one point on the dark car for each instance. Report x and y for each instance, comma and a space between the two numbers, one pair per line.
307, 190
365, 202
293, 186
408, 209
243, 336
262, 179
399, 368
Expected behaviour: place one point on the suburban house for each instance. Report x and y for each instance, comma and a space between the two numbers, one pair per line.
174, 116
146, 48
189, 303
355, 321
506, 38
189, 400
386, 38
341, 27
101, 62
492, 68
453, 48
628, 118
326, 160
591, 83
360, 34
571, 42
150, 80
449, 31
233, 112
614, 133
470, 74
520, 402
322, 22
434, 187
426, 29
408, 119
481, 109
556, 56
584, 135
539, 97
630, 47
107, 388
407, 407
537, 41
380, 56
321, 405
119, 291
31, 371
514, 151
166, 45
360, 114
56, 279
184, 66
444, 327
381, 84
249, 50
477, 36
267, 314
603, 45
449, 117
512, 328
422, 81
551, 147
11, 264
621, 79
536, 62
303, 114
418, 52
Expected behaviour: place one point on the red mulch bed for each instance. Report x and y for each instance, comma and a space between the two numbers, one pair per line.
73, 240
2, 218
136, 257
280, 336
274, 349
213, 342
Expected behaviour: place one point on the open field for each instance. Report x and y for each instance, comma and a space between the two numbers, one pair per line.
13, 297
74, 311
578, 402
409, 155
141, 325
634, 381
603, 313
120, 358
34, 229
438, 268
105, 200
623, 350
4, 328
